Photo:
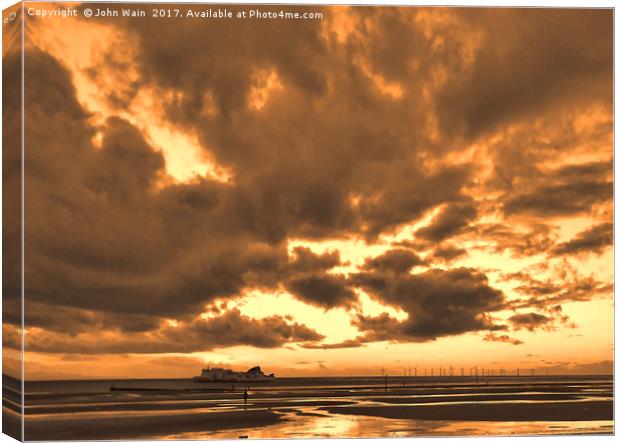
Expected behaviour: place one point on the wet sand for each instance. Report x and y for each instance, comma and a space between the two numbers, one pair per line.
569, 411
127, 427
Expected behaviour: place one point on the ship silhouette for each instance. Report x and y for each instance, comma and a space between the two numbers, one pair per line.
253, 375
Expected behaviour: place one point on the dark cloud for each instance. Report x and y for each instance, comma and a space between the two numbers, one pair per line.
527, 60
407, 202
295, 49
437, 302
323, 290
448, 252
126, 166
563, 199
529, 321
307, 261
570, 190
448, 222
229, 329
64, 319
383, 327
566, 285
595, 239
397, 260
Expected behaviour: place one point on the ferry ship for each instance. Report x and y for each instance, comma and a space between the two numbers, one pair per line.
252, 375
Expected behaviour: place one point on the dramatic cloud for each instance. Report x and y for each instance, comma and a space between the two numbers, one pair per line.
324, 290
230, 329
474, 137
449, 252
437, 302
529, 321
595, 239
449, 222
569, 190
566, 285
307, 261
397, 260
553, 71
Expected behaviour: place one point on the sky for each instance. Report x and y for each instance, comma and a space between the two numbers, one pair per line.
380, 189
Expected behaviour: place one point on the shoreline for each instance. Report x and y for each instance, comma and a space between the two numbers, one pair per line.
113, 428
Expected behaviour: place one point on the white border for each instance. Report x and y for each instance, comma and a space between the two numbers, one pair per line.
570, 3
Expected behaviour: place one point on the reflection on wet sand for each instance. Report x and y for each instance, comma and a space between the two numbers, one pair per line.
331, 426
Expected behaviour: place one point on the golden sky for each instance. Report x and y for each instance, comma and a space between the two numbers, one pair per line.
380, 188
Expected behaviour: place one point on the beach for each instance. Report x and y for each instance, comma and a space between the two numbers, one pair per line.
317, 407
